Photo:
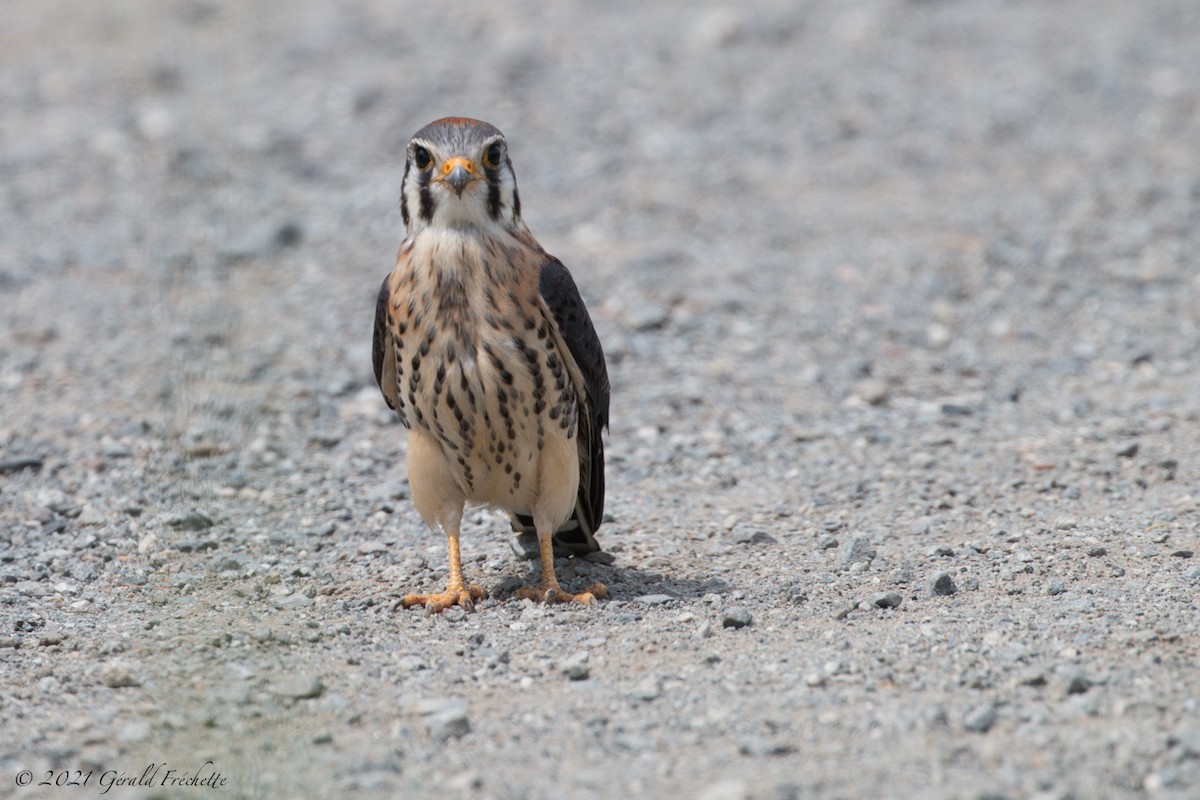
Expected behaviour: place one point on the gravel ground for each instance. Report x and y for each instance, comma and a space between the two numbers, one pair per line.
902, 311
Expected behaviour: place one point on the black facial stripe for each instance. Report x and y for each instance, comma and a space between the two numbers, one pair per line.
426, 197
404, 195
516, 201
493, 179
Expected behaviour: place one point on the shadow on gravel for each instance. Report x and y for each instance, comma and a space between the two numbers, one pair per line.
624, 583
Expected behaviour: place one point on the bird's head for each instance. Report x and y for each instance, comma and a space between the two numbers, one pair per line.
458, 175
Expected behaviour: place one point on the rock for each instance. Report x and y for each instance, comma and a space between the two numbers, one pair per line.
736, 617
1075, 681
147, 544
90, 515
293, 601
194, 521
1096, 552
872, 391
446, 725
196, 546
1055, 587
445, 718
600, 557
371, 548
645, 315
654, 599
1128, 451
299, 687
858, 550
826, 542
1182, 554
575, 667
942, 584
10, 465
887, 600
743, 534
981, 719
903, 574
57, 501
118, 676
760, 747
647, 690
411, 664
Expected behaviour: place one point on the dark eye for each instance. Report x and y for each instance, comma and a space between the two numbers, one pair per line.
493, 156
421, 157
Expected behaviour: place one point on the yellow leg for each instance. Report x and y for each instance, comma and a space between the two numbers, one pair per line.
548, 590
457, 592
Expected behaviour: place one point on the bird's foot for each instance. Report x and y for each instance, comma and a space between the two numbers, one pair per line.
555, 594
463, 595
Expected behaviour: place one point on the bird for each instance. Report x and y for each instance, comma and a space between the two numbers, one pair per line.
485, 350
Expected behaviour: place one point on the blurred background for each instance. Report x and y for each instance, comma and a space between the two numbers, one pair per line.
198, 192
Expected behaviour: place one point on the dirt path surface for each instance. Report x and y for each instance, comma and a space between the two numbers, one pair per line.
902, 313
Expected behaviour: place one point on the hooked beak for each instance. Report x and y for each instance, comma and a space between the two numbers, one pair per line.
458, 172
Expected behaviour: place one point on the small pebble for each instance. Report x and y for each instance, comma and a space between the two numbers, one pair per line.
654, 599
647, 691
575, 667
452, 723
118, 677
858, 550
736, 617
299, 687
981, 719
1076, 682
887, 600
1055, 587
942, 584
1096, 552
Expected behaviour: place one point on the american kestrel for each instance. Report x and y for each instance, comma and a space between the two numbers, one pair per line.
485, 350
